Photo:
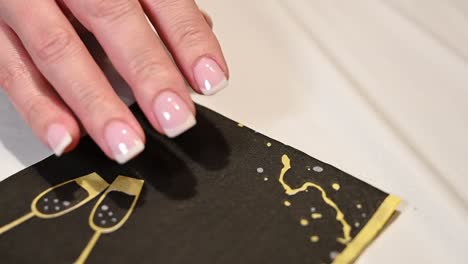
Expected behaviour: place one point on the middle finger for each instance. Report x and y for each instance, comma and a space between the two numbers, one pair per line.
137, 53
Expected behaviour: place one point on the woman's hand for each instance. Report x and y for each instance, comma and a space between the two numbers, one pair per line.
55, 84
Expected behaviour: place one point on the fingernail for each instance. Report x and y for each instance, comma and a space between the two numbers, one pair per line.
209, 76
123, 141
173, 114
58, 138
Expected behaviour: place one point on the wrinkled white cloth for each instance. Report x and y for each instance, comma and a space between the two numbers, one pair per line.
376, 88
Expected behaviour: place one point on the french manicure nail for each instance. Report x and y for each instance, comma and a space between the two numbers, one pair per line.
209, 76
58, 138
123, 141
173, 114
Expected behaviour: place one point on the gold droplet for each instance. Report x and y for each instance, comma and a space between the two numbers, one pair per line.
316, 215
314, 239
304, 222
336, 186
240, 125
268, 144
287, 203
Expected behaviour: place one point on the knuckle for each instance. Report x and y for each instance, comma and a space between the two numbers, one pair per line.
161, 5
36, 107
54, 45
12, 72
145, 66
111, 10
187, 33
89, 99
185, 28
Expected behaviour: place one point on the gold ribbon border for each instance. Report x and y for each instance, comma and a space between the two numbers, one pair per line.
369, 232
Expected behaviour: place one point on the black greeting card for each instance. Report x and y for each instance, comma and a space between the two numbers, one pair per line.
220, 193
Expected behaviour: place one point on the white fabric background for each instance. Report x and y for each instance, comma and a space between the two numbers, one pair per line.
376, 88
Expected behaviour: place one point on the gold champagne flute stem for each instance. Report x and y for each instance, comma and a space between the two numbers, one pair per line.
16, 222
87, 250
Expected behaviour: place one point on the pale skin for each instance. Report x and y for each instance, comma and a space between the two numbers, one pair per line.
54, 83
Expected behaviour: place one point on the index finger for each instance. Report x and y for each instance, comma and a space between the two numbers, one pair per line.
63, 59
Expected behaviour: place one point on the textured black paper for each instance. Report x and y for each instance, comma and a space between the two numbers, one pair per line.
210, 196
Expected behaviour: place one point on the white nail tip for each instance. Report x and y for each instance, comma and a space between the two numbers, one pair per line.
64, 143
174, 132
216, 88
131, 153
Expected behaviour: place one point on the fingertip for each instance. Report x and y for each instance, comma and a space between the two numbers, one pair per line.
123, 141
209, 76
172, 113
60, 138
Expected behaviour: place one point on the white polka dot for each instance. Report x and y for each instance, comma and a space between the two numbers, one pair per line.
312, 209
46, 208
105, 207
357, 224
46, 200
318, 169
265, 179
99, 215
103, 222
56, 208
66, 203
114, 219
56, 200
260, 170
110, 213
364, 215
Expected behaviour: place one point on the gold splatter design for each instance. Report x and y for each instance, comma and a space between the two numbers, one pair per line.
304, 222
336, 186
316, 215
314, 239
268, 144
240, 125
287, 203
290, 191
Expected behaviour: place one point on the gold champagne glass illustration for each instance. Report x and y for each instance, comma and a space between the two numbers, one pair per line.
62, 198
112, 210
